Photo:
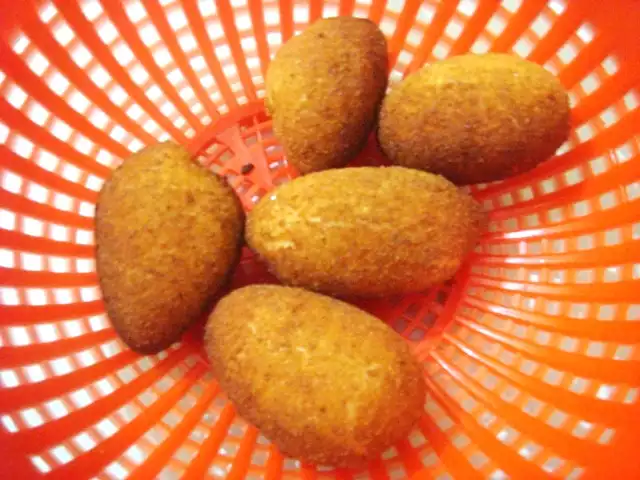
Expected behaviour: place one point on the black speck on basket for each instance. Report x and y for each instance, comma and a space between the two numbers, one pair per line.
247, 168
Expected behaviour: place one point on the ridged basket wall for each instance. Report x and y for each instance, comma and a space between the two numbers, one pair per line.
531, 354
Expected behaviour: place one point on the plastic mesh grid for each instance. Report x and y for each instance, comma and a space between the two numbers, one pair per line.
530, 354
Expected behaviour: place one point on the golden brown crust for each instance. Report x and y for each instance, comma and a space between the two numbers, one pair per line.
365, 231
324, 89
325, 381
475, 118
167, 233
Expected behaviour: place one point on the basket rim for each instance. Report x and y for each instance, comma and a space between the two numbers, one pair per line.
616, 23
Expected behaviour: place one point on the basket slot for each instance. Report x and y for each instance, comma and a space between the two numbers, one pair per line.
564, 26
275, 460
575, 192
496, 428
33, 314
242, 458
517, 25
34, 393
260, 35
403, 26
151, 63
473, 28
410, 459
578, 225
604, 370
44, 177
205, 45
377, 10
198, 466
43, 39
69, 238
13, 357
56, 431
432, 34
590, 57
93, 461
32, 279
455, 463
226, 13
543, 332
285, 10
103, 54
625, 213
168, 37
556, 440
560, 209
580, 406
36, 88
11, 162
610, 255
20, 242
621, 292
154, 462
346, 8
612, 90
23, 206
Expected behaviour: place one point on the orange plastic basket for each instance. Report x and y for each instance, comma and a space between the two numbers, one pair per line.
532, 354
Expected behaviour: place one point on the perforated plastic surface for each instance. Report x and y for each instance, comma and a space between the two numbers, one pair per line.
531, 354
